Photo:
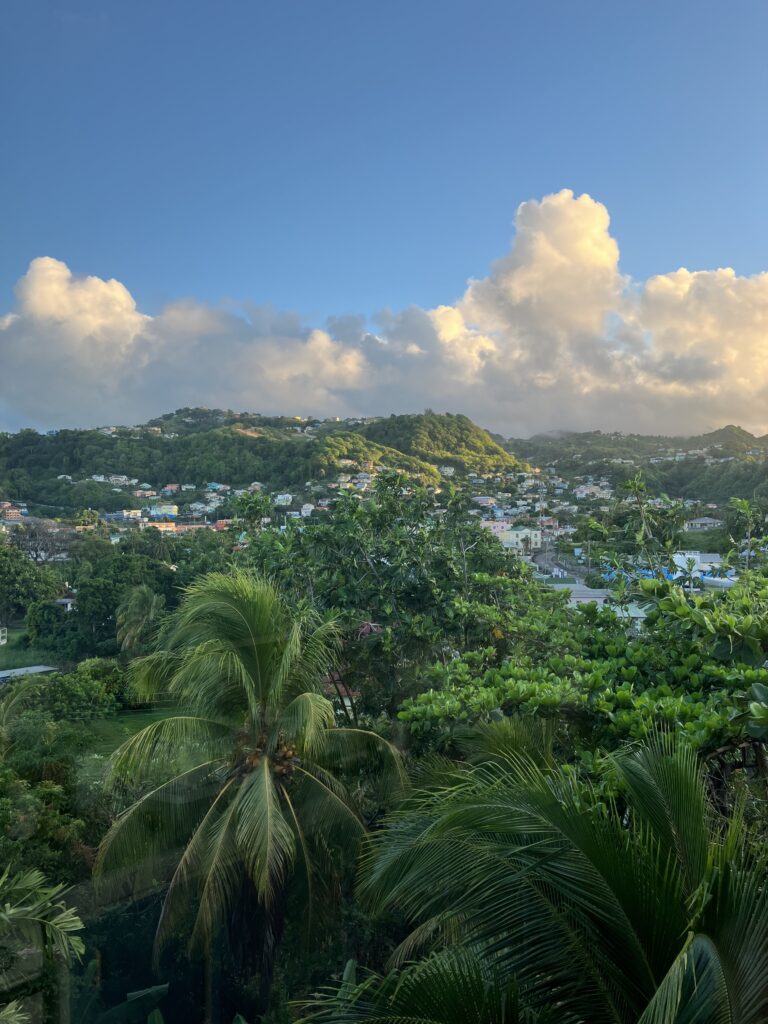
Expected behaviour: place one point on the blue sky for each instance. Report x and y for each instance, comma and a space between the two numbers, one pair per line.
348, 155
277, 205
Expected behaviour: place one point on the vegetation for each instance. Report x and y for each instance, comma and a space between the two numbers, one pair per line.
252, 765
366, 766
443, 439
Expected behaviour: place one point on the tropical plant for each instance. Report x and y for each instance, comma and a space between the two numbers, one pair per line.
36, 928
248, 779
138, 615
32, 907
643, 907
13, 1013
450, 987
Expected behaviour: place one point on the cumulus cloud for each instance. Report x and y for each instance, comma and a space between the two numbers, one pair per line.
554, 337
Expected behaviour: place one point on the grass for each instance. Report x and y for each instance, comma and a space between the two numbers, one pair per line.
106, 734
15, 655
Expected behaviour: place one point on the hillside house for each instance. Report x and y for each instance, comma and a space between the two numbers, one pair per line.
702, 523
521, 539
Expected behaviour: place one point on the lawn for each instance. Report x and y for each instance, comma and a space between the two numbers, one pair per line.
15, 655
106, 735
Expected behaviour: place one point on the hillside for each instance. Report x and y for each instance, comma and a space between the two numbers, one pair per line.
443, 439
189, 447
709, 467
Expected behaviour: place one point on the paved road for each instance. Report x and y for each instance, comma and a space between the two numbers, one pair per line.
547, 560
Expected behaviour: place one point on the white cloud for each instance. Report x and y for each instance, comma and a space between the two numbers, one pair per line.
554, 337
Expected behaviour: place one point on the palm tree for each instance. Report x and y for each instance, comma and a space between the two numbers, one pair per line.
246, 782
450, 987
652, 909
138, 615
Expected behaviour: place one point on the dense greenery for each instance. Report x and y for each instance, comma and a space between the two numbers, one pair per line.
237, 450
443, 439
379, 772
619, 456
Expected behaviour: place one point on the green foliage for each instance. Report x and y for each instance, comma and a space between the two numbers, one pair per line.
95, 689
34, 916
450, 987
21, 583
443, 439
646, 906
402, 578
138, 616
248, 777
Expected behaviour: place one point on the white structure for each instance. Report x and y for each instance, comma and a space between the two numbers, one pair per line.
702, 523
521, 538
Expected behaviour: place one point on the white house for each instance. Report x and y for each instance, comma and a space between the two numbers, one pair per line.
521, 538
702, 523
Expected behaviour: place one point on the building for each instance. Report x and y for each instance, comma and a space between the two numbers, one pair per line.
521, 538
284, 500
163, 511
579, 594
161, 526
702, 523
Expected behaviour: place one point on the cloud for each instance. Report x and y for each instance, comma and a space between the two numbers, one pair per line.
554, 337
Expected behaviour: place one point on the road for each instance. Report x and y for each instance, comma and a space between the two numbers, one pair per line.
547, 560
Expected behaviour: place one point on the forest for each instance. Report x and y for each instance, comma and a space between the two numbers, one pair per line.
374, 770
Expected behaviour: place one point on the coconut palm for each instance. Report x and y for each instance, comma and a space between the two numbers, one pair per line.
138, 615
651, 910
450, 987
246, 783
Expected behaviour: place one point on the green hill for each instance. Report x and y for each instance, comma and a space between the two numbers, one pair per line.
443, 439
708, 467
191, 446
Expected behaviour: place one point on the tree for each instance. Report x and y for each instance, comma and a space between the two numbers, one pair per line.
87, 517
635, 902
248, 778
41, 540
21, 583
747, 518
138, 614
251, 508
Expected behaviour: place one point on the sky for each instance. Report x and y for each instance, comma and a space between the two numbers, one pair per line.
544, 214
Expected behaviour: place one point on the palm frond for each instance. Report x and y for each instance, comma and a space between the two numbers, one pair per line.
452, 987
264, 839
305, 722
667, 791
30, 907
349, 750
157, 824
210, 850
165, 744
